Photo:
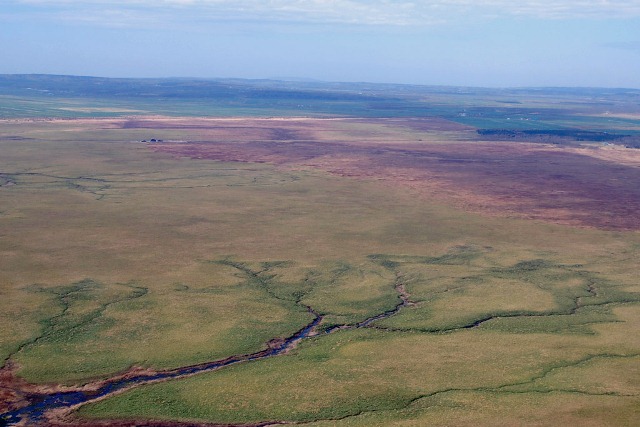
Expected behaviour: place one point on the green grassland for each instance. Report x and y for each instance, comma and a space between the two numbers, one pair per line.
383, 375
114, 256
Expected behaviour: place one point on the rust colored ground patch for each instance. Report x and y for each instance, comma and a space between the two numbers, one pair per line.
583, 187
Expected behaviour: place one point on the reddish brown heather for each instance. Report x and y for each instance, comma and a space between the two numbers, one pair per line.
582, 187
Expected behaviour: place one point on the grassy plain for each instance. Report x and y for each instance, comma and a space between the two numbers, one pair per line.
116, 253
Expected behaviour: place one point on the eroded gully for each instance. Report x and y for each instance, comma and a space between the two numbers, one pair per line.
37, 407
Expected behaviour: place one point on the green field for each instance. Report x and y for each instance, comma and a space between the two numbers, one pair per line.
116, 256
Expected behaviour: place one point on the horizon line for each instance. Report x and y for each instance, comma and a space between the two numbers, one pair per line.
294, 79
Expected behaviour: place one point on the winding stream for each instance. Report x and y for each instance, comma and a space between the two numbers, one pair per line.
42, 403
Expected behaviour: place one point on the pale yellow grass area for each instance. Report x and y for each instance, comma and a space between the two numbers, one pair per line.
632, 116
612, 153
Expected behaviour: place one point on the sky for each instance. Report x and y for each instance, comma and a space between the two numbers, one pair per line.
492, 43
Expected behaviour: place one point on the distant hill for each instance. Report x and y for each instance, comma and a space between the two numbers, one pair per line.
43, 95
83, 86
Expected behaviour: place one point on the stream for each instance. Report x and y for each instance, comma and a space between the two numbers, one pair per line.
41, 403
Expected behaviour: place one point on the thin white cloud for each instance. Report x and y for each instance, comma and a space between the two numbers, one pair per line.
112, 18
361, 12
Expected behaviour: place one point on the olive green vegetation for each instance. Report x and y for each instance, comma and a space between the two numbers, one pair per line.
367, 370
115, 256
530, 296
92, 336
344, 374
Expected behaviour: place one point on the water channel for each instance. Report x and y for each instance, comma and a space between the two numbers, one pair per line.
40, 404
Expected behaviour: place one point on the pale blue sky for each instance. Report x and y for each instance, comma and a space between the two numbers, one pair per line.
441, 42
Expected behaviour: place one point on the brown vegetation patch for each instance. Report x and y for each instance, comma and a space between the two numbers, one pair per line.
535, 181
16, 393
147, 423
12, 394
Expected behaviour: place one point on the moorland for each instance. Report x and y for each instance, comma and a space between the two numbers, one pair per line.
229, 252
